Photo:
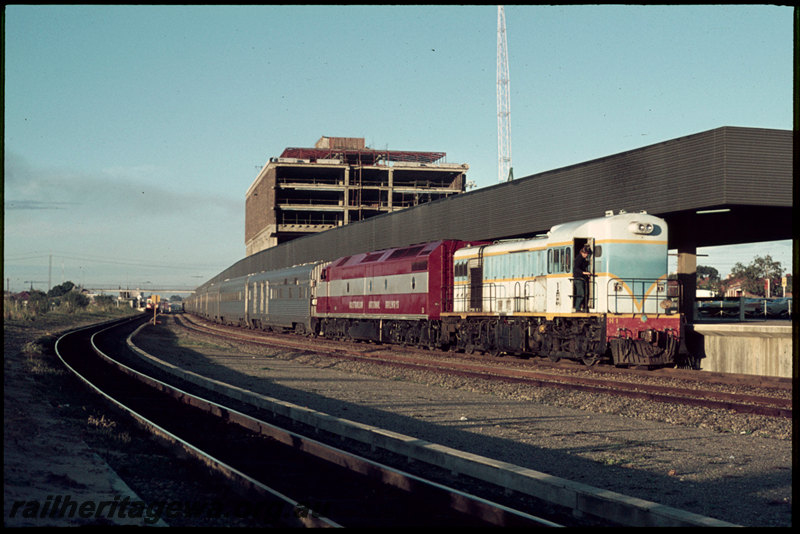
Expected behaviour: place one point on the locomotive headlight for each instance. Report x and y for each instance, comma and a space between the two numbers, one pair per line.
640, 228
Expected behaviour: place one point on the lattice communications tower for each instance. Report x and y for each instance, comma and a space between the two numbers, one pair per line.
505, 171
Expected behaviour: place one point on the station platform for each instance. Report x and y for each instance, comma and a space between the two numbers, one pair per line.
757, 347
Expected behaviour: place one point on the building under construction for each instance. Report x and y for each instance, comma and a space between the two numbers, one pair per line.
340, 181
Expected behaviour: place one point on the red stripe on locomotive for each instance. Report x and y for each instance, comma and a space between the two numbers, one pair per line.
631, 326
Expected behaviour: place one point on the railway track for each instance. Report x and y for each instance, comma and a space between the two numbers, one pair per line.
282, 477
605, 382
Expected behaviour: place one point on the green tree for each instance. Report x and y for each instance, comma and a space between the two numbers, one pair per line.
752, 276
61, 289
708, 278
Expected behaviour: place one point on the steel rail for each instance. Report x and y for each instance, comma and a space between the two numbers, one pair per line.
483, 509
740, 403
304, 517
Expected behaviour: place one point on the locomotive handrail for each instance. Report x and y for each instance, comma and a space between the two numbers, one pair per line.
531, 294
520, 296
590, 295
489, 295
642, 295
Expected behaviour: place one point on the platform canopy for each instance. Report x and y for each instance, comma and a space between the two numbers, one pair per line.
724, 186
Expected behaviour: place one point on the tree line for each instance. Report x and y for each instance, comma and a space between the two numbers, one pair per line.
751, 277
65, 297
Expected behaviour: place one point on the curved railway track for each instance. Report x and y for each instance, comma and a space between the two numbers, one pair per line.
285, 478
610, 381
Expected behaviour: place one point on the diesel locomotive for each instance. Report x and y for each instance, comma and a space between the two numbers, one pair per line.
516, 297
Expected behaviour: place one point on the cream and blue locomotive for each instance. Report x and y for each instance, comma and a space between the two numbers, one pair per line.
519, 296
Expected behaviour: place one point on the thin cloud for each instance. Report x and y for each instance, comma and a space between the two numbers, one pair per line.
36, 205
112, 192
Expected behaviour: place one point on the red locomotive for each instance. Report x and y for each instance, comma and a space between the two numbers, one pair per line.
395, 295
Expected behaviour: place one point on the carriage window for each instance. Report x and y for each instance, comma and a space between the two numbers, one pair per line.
413, 283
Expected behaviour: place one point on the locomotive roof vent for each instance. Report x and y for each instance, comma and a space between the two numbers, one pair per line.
610, 213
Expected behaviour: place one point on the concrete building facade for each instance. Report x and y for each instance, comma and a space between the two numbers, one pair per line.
337, 182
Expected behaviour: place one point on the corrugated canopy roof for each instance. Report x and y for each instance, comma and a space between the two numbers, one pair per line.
723, 186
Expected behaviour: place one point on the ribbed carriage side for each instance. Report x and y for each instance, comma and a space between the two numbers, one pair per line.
280, 299
230, 308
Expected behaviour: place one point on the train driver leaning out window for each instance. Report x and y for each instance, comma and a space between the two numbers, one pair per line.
581, 276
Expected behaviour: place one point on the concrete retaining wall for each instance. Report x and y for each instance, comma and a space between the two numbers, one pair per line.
763, 349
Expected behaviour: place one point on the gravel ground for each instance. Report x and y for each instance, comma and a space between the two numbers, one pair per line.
59, 440
733, 467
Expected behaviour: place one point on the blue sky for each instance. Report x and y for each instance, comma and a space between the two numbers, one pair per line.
133, 132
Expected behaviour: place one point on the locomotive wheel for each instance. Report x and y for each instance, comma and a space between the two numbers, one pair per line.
590, 359
425, 339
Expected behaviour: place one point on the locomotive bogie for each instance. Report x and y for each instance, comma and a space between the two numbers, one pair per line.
571, 337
